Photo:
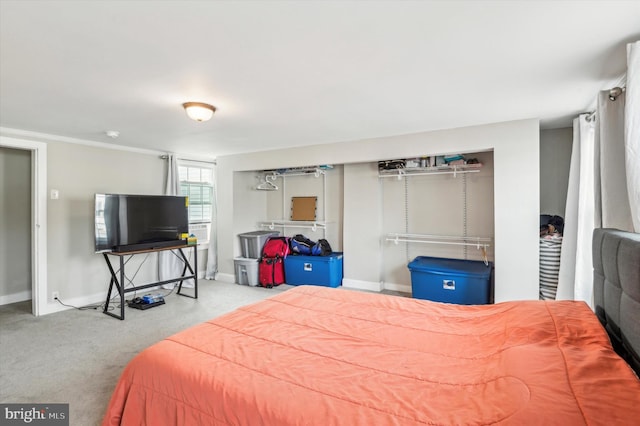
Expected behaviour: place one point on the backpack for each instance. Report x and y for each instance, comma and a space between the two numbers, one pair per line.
271, 266
323, 248
302, 245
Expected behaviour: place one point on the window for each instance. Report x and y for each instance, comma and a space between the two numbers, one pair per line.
196, 182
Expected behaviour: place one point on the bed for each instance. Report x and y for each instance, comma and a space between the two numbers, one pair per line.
323, 356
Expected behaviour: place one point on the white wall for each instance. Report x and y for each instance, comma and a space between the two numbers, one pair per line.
362, 226
78, 172
516, 152
247, 208
15, 225
555, 159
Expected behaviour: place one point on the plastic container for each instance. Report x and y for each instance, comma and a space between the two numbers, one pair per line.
464, 282
251, 242
314, 270
246, 271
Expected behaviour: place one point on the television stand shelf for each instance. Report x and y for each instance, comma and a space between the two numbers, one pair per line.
119, 281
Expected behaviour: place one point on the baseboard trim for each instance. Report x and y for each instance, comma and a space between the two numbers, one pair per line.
93, 299
15, 297
403, 288
100, 298
225, 278
362, 285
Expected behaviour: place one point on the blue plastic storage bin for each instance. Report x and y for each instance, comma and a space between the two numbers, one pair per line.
314, 270
465, 282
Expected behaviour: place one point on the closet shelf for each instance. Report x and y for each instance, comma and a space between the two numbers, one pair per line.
478, 242
436, 170
268, 177
316, 171
313, 225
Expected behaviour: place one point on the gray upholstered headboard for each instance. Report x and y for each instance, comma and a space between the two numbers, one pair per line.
616, 286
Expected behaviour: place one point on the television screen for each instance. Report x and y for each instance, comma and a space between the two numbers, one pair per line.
138, 222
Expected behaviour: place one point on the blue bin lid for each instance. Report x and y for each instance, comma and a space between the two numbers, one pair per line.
438, 265
336, 255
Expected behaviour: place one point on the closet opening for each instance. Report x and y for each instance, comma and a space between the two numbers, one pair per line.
435, 206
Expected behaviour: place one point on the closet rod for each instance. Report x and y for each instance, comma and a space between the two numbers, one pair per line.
406, 240
439, 239
456, 241
402, 173
281, 224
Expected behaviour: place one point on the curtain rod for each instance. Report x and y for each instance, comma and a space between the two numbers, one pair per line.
613, 96
165, 157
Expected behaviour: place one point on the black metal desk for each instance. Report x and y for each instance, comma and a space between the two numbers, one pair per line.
120, 283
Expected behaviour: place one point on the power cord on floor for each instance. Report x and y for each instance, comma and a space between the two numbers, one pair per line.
128, 282
81, 308
101, 305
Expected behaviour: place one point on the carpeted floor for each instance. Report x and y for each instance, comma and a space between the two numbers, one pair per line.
76, 357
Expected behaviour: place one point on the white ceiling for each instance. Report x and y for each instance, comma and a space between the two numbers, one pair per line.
290, 73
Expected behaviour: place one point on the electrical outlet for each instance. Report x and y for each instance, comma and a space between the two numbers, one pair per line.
55, 295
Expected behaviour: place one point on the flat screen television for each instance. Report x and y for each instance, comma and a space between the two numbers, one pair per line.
139, 222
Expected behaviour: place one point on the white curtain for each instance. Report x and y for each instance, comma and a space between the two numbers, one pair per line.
575, 279
169, 265
212, 253
611, 197
604, 180
632, 131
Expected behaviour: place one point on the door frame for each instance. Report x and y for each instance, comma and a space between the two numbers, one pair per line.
38, 219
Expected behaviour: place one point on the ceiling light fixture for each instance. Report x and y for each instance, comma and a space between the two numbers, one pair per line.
199, 111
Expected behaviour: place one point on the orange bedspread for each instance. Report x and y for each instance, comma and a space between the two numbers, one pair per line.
321, 356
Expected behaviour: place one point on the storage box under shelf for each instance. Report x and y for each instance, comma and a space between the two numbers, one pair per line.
314, 270
465, 282
246, 271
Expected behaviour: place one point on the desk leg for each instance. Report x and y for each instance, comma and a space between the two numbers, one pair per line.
195, 266
106, 303
194, 275
119, 287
